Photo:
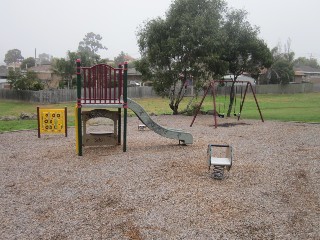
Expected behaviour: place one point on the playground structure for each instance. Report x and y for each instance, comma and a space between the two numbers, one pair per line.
218, 160
101, 87
212, 87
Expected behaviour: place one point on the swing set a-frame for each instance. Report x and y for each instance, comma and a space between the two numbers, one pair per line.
212, 86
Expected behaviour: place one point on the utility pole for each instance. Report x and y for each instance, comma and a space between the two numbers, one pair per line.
35, 57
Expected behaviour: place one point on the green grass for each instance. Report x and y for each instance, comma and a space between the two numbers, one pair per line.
17, 125
15, 108
159, 106
282, 107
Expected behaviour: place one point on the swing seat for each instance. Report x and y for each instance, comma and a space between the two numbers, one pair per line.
219, 159
220, 115
101, 133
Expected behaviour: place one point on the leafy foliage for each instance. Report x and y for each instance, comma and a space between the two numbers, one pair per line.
90, 46
281, 71
87, 52
121, 58
45, 58
28, 63
12, 56
65, 67
310, 62
180, 47
29, 81
198, 40
243, 51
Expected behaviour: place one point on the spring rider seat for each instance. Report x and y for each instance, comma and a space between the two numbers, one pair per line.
219, 159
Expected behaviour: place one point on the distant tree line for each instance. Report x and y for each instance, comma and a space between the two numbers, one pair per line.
88, 52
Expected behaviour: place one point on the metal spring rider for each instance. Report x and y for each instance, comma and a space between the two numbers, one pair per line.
218, 161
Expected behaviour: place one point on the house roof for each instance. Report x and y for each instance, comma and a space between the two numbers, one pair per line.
133, 71
14, 65
128, 58
240, 78
299, 73
41, 68
307, 69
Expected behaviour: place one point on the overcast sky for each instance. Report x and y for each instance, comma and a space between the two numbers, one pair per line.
56, 26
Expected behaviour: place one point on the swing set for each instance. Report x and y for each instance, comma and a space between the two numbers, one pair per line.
212, 87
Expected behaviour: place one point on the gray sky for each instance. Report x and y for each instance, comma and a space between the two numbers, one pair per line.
56, 26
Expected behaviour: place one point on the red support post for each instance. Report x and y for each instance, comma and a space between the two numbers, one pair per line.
212, 85
255, 98
198, 109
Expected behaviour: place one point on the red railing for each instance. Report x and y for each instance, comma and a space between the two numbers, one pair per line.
102, 84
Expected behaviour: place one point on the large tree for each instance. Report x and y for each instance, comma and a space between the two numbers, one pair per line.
90, 46
124, 57
28, 63
65, 67
12, 56
45, 58
303, 61
281, 70
181, 46
243, 51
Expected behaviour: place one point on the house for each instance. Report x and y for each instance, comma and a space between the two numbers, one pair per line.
3, 78
242, 77
47, 76
44, 73
306, 74
134, 76
4, 84
14, 66
299, 76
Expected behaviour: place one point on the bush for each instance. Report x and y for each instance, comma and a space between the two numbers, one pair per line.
193, 109
28, 81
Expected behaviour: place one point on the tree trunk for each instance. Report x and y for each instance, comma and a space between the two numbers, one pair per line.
174, 105
232, 95
175, 110
176, 98
172, 98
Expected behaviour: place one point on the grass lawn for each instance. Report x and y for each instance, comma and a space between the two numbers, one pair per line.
282, 107
15, 108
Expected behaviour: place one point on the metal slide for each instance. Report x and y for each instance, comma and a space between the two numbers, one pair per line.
184, 137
